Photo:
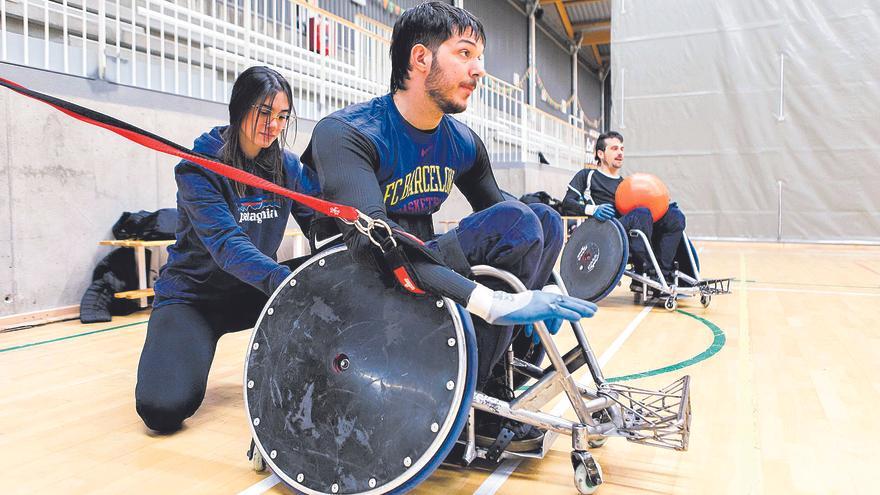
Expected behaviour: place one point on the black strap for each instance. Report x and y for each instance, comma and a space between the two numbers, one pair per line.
500, 443
452, 253
509, 430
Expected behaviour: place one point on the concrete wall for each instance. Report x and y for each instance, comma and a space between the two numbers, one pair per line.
63, 183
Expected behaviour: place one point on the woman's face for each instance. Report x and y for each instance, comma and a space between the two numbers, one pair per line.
264, 123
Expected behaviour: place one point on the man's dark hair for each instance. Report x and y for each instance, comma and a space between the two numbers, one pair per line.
429, 24
600, 142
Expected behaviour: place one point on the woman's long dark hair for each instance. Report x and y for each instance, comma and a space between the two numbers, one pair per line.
252, 88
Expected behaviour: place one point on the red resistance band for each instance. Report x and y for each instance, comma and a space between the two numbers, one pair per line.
399, 265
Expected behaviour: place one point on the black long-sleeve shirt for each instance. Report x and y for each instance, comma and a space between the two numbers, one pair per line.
367, 156
589, 188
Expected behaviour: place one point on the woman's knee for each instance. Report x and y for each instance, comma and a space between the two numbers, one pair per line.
164, 412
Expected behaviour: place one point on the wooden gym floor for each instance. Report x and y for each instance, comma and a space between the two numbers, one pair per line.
785, 382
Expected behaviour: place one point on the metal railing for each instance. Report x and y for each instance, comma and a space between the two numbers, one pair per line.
197, 48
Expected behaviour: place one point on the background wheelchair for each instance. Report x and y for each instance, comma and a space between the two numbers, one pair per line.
596, 256
352, 386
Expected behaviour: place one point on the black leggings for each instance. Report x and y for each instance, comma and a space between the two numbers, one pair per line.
178, 351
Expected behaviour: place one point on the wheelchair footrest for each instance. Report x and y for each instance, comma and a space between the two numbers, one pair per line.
714, 286
658, 418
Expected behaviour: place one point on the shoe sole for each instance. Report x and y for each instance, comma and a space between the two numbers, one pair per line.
527, 445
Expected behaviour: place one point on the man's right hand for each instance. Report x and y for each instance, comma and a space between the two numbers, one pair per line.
604, 212
504, 308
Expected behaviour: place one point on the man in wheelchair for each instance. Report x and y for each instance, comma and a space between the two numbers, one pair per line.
591, 192
396, 158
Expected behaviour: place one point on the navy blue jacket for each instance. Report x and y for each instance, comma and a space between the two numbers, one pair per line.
226, 243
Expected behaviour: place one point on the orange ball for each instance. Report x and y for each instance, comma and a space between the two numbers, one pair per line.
642, 190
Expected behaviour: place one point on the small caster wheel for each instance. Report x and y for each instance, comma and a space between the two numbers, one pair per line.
257, 461
587, 473
670, 304
596, 442
706, 300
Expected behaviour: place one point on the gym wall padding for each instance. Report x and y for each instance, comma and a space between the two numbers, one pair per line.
723, 100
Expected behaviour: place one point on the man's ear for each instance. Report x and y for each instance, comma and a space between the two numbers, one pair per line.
420, 59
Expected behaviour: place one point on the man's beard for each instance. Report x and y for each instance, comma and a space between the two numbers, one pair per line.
434, 85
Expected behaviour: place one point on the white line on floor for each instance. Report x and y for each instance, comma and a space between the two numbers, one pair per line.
502, 472
812, 291
262, 486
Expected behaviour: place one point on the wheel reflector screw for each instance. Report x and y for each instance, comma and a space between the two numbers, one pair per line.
256, 345
300, 478
250, 384
435, 427
450, 342
273, 454
256, 421
335, 487
439, 304
372, 483
293, 282
322, 262
450, 385
407, 461
270, 311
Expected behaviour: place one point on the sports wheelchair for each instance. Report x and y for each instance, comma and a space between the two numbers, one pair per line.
596, 256
353, 387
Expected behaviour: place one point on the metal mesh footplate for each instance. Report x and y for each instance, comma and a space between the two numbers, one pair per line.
659, 418
352, 386
714, 286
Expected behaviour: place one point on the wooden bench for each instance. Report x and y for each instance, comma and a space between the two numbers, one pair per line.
140, 248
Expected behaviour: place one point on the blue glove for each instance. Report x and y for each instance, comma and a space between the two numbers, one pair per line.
536, 305
552, 325
605, 212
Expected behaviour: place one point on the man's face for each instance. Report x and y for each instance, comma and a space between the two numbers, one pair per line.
456, 69
613, 154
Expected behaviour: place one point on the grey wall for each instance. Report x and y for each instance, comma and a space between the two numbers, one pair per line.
554, 66
507, 30
64, 183
589, 92
372, 9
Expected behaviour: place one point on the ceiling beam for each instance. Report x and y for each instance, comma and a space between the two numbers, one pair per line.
597, 55
570, 2
563, 15
602, 37
586, 26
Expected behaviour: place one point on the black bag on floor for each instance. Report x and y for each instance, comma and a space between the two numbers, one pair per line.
542, 197
115, 273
